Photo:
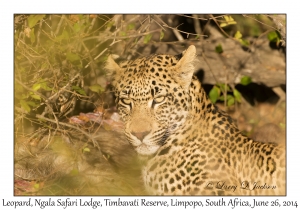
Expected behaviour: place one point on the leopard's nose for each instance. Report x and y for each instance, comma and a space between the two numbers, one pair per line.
140, 135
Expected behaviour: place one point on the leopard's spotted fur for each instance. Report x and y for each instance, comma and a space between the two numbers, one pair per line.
193, 148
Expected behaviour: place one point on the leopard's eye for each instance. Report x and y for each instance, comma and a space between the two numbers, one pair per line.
126, 101
159, 99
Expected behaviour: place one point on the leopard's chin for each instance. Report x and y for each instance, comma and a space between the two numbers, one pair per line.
146, 150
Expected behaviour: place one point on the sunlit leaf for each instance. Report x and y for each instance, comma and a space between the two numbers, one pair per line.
238, 35
222, 98
64, 36
36, 86
147, 38
36, 185
130, 26
96, 88
45, 86
32, 104
237, 95
86, 149
273, 36
33, 19
230, 100
161, 36
245, 80
214, 94
110, 24
282, 125
79, 90
37, 97
224, 87
244, 42
228, 21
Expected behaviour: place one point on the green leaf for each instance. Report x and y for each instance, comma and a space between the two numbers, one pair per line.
161, 36
230, 100
219, 49
32, 36
273, 36
122, 33
25, 106
79, 90
81, 16
282, 125
64, 35
244, 42
110, 24
45, 86
36, 185
147, 38
130, 26
86, 149
96, 88
238, 35
237, 95
42, 84
222, 98
74, 172
245, 80
36, 86
224, 88
77, 27
32, 104
34, 96
214, 94
72, 57
33, 19
228, 21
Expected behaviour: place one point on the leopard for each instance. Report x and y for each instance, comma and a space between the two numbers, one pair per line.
191, 146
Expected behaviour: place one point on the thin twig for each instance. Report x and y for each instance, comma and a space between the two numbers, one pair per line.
214, 19
203, 55
59, 24
181, 31
101, 53
63, 88
71, 126
260, 22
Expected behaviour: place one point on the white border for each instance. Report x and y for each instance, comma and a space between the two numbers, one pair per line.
147, 6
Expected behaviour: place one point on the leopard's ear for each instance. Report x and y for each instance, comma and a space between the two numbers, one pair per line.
112, 68
185, 67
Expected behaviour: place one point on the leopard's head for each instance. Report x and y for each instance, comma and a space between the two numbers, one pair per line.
152, 94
